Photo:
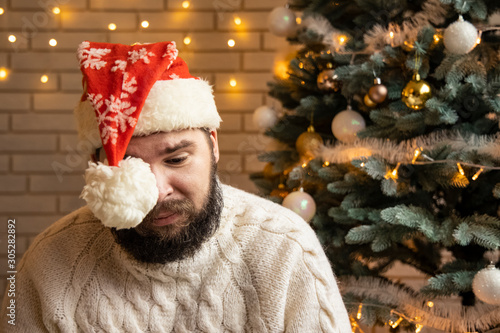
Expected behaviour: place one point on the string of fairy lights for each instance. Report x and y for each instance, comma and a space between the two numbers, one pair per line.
393, 174
187, 40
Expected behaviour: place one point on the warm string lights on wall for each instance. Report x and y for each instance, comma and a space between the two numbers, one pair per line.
187, 40
3, 73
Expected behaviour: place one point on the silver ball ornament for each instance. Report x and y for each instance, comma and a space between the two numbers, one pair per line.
264, 117
460, 37
486, 285
301, 203
346, 124
282, 22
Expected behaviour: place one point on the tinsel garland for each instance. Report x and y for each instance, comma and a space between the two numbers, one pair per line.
403, 152
433, 12
449, 316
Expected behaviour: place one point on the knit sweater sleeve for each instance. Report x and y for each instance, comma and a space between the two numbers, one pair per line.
43, 282
21, 308
292, 275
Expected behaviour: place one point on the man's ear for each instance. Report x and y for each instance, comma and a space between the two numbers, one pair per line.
215, 144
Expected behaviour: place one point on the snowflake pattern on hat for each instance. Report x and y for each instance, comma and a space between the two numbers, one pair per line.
113, 74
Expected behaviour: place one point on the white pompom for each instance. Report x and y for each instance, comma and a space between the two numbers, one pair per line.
264, 117
120, 196
460, 37
282, 22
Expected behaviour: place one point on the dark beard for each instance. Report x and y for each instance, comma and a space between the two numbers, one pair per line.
160, 248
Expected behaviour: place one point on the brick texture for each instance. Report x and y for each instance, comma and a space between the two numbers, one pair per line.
126, 4
14, 102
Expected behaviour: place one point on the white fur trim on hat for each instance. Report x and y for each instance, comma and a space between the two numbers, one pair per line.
120, 196
171, 105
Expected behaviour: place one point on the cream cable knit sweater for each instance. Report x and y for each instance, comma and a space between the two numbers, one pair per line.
263, 271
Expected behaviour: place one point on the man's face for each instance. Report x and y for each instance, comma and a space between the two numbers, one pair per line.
190, 201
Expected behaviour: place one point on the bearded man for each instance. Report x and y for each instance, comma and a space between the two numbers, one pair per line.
162, 246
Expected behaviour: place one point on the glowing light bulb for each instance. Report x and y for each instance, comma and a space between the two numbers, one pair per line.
396, 323
281, 69
362, 164
52, 42
342, 39
478, 40
395, 171
44, 79
436, 39
391, 34
2, 10
460, 169
12, 38
144, 24
430, 304
360, 308
3, 73
418, 328
326, 164
477, 174
416, 154
298, 20
231, 43
237, 20
56, 10
185, 4
112, 26
187, 40
233, 83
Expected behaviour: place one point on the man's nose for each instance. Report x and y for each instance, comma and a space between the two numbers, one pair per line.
163, 183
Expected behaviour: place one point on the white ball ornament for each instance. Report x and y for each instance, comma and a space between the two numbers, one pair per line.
282, 22
486, 285
460, 37
301, 203
346, 124
264, 117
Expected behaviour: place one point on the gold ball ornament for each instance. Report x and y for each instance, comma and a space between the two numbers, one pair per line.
308, 143
416, 93
328, 80
378, 92
368, 102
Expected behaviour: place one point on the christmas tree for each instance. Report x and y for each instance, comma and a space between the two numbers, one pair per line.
390, 128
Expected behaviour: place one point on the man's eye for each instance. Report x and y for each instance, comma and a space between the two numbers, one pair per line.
176, 160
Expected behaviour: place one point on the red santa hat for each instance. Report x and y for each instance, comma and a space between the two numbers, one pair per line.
133, 90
